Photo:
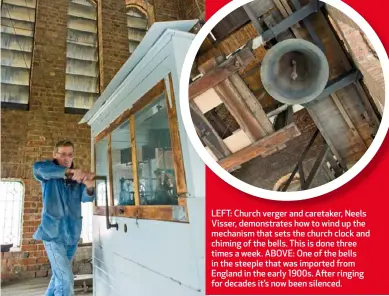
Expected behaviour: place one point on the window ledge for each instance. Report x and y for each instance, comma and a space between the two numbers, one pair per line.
166, 213
14, 250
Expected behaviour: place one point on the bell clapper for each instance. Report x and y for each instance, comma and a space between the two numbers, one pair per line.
294, 74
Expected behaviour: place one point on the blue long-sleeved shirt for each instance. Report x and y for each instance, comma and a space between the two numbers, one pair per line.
61, 211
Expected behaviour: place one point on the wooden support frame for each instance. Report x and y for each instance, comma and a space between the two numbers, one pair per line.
260, 147
173, 213
221, 73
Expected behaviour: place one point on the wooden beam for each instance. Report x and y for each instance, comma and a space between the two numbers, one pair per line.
288, 11
208, 134
239, 110
160, 213
253, 104
260, 147
253, 18
134, 160
110, 172
348, 120
220, 73
179, 170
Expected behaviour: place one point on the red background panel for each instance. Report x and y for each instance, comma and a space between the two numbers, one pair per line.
368, 192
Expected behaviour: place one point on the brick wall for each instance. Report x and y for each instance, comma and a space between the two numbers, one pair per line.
29, 264
192, 9
167, 10
113, 39
28, 136
362, 53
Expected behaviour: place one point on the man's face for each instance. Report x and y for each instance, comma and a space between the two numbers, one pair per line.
64, 156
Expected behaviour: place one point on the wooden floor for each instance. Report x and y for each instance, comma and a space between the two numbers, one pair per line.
32, 287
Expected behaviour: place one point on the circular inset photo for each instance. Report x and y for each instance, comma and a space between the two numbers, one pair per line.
285, 98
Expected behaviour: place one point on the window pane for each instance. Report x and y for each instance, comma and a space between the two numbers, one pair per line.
154, 155
11, 202
102, 184
123, 182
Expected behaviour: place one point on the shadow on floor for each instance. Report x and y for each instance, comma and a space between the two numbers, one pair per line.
34, 287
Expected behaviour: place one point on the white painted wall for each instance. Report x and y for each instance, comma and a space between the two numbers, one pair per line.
153, 257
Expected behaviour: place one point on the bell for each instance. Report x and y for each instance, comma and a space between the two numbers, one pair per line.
294, 71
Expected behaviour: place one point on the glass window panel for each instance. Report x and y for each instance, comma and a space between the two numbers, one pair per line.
154, 155
123, 181
102, 173
11, 205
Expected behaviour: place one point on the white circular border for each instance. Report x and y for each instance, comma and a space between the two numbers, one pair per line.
253, 190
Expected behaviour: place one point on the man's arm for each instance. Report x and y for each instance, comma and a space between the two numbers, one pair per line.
89, 192
46, 170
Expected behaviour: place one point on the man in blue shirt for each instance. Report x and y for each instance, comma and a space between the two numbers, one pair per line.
63, 190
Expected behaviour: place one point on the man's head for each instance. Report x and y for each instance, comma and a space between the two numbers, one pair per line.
64, 153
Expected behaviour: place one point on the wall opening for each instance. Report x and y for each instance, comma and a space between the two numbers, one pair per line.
11, 205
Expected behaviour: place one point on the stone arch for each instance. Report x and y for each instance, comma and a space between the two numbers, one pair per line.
144, 7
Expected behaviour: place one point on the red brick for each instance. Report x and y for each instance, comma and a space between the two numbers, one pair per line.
41, 247
42, 260
37, 254
29, 261
31, 211
14, 261
34, 267
29, 247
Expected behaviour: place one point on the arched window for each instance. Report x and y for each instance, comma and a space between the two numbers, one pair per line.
17, 39
82, 60
137, 24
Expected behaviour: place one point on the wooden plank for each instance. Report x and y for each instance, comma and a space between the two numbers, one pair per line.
327, 134
366, 103
175, 140
282, 9
239, 110
100, 210
220, 73
134, 160
148, 97
207, 100
259, 147
272, 20
253, 18
94, 170
348, 120
288, 10
259, 8
118, 121
160, 213
212, 140
252, 102
230, 23
110, 176
237, 141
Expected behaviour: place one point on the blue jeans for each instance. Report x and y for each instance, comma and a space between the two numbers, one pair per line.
60, 257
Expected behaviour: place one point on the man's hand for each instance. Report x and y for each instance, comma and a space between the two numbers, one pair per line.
89, 180
78, 175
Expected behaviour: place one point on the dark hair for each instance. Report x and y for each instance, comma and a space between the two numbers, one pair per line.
63, 143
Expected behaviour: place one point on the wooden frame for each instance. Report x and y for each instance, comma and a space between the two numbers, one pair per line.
138, 211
